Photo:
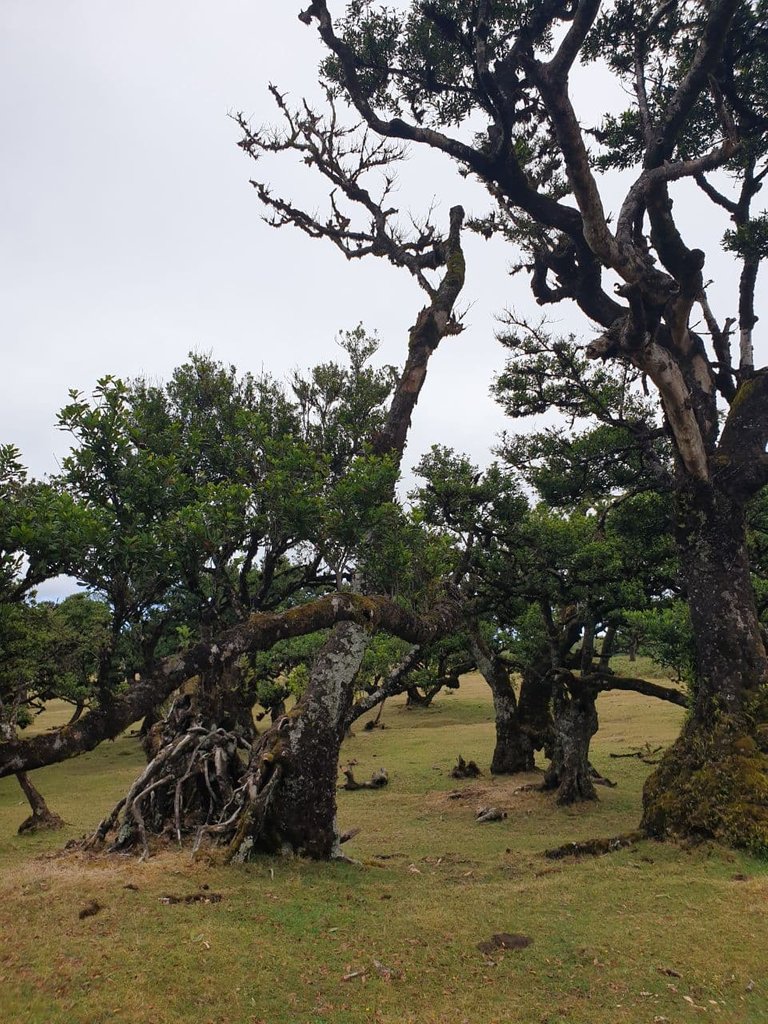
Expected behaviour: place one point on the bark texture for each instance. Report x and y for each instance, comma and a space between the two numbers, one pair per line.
713, 783
290, 784
575, 716
513, 751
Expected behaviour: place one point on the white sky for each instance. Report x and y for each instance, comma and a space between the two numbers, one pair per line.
131, 235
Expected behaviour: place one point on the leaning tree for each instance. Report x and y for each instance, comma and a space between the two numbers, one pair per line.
284, 797
488, 84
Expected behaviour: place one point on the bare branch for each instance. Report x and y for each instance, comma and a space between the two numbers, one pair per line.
606, 681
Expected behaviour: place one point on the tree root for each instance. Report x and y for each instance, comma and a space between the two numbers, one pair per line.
595, 847
189, 783
41, 823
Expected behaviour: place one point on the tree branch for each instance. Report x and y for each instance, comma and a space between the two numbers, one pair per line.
259, 632
606, 681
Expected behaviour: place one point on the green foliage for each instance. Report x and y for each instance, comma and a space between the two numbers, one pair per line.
49, 651
340, 407
270, 677
381, 654
612, 441
665, 635
750, 240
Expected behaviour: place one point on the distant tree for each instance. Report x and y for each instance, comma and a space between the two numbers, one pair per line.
46, 651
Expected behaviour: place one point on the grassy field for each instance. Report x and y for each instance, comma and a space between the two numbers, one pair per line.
643, 936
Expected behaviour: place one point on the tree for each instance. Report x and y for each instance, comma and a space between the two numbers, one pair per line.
43, 651
487, 84
543, 582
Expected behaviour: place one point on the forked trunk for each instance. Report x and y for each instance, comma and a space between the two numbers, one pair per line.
415, 698
713, 782
575, 723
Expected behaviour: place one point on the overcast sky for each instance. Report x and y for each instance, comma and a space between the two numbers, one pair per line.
131, 234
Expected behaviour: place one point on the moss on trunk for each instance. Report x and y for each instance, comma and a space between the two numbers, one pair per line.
712, 785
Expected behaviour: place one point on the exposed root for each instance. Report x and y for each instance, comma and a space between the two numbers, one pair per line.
41, 823
600, 780
187, 785
595, 847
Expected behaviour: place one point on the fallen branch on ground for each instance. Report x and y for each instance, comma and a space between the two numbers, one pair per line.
379, 779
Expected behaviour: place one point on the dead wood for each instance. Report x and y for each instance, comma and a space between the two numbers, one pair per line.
504, 940
90, 909
194, 897
486, 814
379, 779
465, 769
644, 754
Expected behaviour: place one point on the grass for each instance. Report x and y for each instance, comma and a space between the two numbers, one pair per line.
655, 933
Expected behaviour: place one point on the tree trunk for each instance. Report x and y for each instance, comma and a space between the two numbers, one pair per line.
535, 707
713, 782
41, 817
292, 773
416, 699
514, 749
575, 723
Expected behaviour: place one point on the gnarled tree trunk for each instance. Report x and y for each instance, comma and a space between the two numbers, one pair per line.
713, 782
290, 784
514, 750
575, 723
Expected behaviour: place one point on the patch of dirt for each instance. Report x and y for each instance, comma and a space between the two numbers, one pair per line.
509, 792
